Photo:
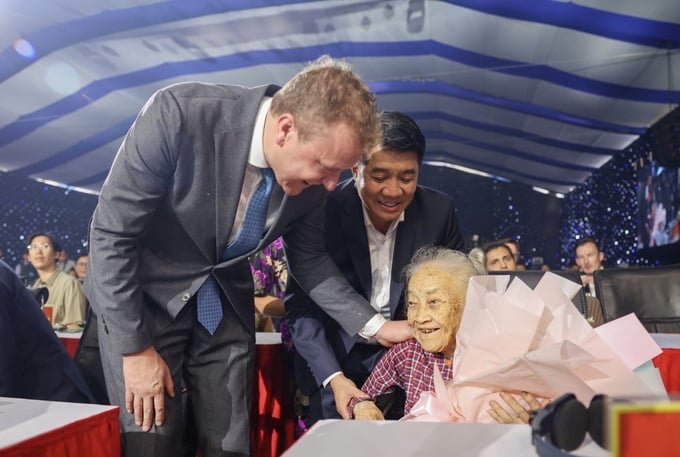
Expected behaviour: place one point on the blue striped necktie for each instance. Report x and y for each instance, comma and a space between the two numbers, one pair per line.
209, 306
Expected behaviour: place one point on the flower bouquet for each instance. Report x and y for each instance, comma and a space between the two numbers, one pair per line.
516, 339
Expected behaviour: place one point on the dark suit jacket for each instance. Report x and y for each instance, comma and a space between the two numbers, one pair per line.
33, 362
168, 205
430, 219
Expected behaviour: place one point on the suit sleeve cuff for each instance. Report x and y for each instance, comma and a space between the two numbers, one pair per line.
372, 326
330, 378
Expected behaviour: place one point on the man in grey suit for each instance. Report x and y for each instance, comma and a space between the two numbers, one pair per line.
375, 222
176, 195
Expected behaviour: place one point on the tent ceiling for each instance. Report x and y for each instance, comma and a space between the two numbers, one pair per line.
541, 92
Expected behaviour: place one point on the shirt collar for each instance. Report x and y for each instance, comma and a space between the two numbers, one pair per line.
256, 155
49, 281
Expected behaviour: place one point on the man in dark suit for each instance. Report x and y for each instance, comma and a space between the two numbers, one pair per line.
375, 222
33, 362
176, 196
589, 259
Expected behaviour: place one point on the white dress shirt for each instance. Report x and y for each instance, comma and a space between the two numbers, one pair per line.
256, 161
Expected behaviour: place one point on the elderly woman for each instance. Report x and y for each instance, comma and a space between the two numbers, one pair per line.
437, 281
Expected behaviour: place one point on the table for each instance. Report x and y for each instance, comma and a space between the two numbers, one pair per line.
272, 418
55, 429
70, 341
333, 438
272, 425
336, 438
668, 362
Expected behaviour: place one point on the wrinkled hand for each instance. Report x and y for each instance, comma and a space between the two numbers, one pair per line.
393, 332
367, 411
521, 413
147, 378
344, 390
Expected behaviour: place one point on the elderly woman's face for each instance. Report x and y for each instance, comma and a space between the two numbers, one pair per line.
435, 308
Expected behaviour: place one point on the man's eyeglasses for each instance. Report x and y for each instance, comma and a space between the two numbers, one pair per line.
43, 246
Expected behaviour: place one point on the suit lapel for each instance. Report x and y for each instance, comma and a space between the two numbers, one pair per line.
404, 248
231, 158
279, 204
232, 149
354, 227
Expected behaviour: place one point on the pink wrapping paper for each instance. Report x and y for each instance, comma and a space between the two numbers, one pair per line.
521, 339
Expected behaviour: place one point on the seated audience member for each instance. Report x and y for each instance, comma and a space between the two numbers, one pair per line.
34, 364
80, 269
25, 270
66, 296
498, 257
589, 259
437, 281
270, 274
63, 262
513, 245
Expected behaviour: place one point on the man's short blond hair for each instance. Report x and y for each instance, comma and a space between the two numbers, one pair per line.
328, 92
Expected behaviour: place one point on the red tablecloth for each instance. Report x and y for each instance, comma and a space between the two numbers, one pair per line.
668, 363
93, 435
272, 418
272, 426
70, 341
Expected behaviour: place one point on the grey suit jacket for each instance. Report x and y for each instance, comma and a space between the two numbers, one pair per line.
168, 205
430, 219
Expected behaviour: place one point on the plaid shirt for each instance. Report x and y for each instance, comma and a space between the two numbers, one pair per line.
408, 366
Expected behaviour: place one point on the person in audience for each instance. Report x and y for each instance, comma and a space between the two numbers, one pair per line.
589, 259
437, 281
174, 199
25, 271
374, 222
498, 257
80, 268
270, 275
513, 245
34, 364
64, 263
66, 295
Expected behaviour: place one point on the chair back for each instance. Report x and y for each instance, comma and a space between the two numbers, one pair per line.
652, 293
532, 277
